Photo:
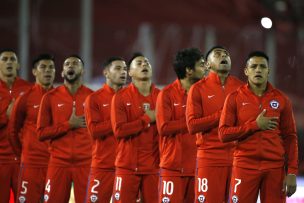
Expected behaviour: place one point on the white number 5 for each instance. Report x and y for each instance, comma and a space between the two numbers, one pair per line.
24, 188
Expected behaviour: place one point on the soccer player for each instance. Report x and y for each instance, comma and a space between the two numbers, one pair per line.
204, 106
259, 118
177, 146
133, 123
34, 154
11, 87
97, 111
61, 120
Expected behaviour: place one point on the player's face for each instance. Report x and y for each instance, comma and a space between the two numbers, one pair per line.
117, 73
200, 69
9, 64
72, 69
45, 72
257, 70
219, 60
140, 68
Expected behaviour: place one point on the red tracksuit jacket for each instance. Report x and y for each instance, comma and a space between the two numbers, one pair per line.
19, 87
22, 128
177, 146
97, 111
204, 106
256, 149
137, 150
68, 146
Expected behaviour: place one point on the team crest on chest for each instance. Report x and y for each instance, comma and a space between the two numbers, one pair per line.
93, 198
274, 104
165, 200
235, 199
201, 198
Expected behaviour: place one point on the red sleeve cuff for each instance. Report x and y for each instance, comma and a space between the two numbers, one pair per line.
292, 171
146, 121
254, 126
66, 126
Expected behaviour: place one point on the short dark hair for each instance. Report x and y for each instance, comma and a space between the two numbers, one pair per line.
108, 61
186, 58
7, 50
42, 57
257, 54
75, 56
134, 55
212, 48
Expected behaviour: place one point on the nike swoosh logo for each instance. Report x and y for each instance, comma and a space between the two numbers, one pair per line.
128, 104
175, 104
60, 105
36, 106
104, 105
210, 96
183, 105
244, 103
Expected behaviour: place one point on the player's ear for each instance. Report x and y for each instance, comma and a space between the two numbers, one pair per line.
34, 71
130, 72
246, 71
62, 74
189, 71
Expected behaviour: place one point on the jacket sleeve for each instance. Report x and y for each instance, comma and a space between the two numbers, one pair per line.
165, 124
45, 127
97, 127
196, 121
228, 131
123, 128
289, 134
16, 122
4, 103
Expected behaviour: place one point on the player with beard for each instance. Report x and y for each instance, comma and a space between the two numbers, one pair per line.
23, 136
177, 146
204, 106
133, 122
97, 111
61, 120
259, 118
11, 87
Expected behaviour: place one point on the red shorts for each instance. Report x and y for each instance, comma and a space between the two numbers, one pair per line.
212, 184
31, 183
100, 186
176, 189
8, 180
126, 188
59, 180
247, 183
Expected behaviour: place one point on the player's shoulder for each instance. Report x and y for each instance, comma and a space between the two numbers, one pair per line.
22, 82
86, 89
236, 79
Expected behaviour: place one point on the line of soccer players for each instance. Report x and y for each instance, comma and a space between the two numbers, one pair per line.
206, 137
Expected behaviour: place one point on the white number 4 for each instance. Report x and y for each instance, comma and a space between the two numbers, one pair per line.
24, 188
238, 182
48, 186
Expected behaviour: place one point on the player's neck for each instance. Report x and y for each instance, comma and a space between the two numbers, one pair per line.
9, 81
73, 87
186, 83
143, 86
258, 90
115, 87
223, 77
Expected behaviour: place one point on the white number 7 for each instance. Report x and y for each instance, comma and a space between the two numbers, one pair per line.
238, 182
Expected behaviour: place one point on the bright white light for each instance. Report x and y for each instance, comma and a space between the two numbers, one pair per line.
266, 22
